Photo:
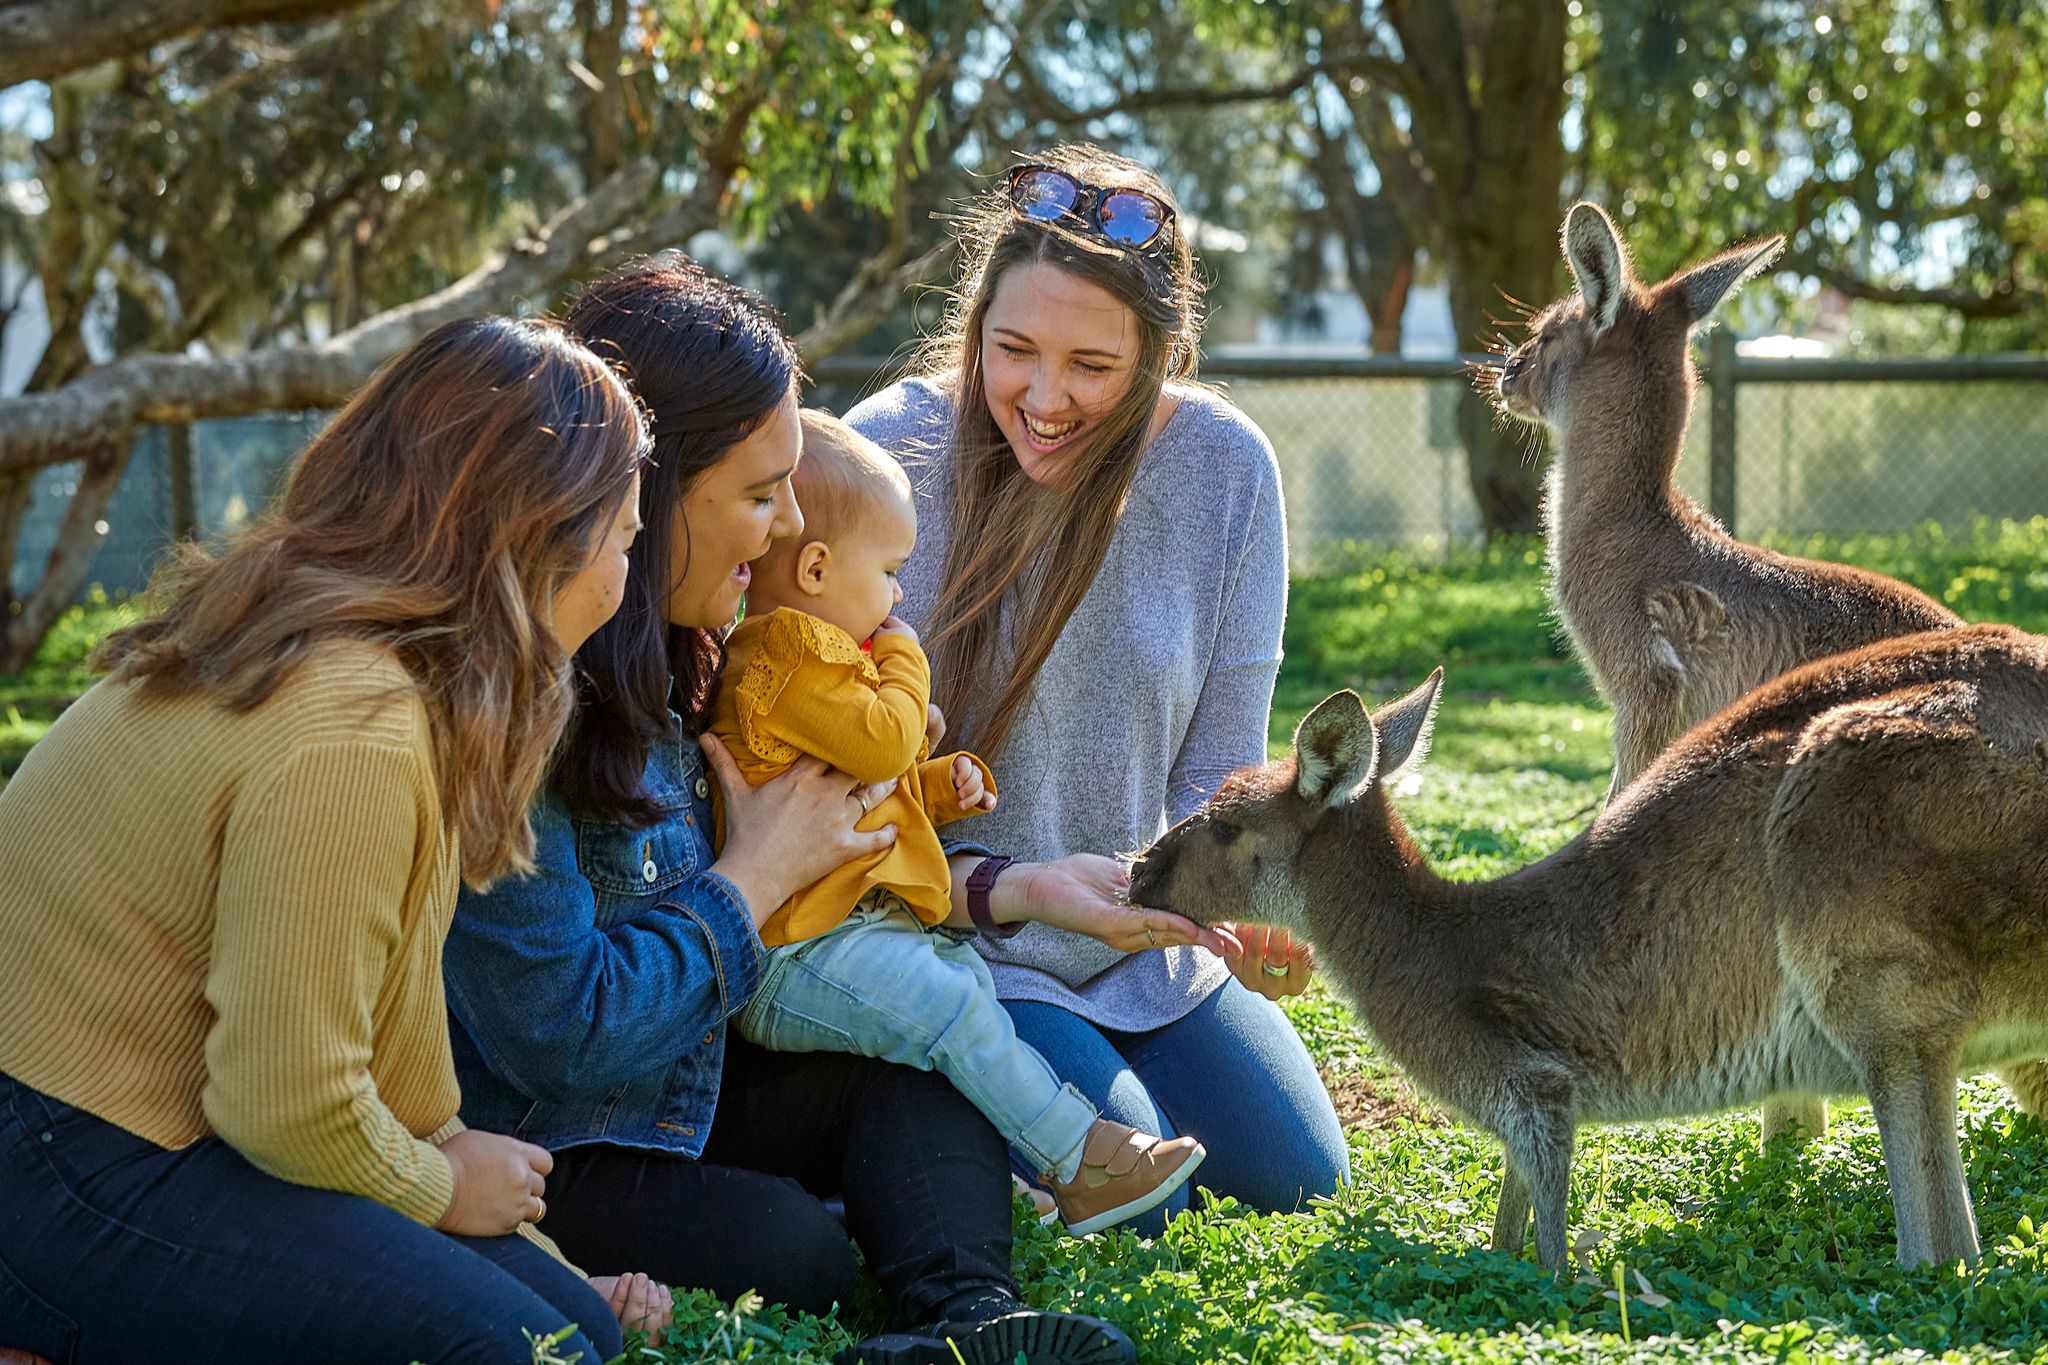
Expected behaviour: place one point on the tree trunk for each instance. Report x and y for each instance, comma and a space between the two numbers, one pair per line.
1386, 298
604, 108
14, 501
1379, 249
83, 529
184, 491
1506, 482
1475, 169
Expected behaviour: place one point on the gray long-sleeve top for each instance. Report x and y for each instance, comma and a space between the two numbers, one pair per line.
1157, 689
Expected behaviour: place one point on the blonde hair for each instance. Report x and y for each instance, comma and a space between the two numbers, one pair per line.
437, 516
842, 477
984, 666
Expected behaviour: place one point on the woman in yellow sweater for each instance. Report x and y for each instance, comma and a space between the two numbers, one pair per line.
227, 1105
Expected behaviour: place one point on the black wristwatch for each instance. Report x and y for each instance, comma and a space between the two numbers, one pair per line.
979, 883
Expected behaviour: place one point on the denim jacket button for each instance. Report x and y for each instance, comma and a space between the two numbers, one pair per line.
649, 871
711, 1038
703, 789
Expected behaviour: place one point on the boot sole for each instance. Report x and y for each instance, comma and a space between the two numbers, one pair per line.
1144, 1203
1034, 1338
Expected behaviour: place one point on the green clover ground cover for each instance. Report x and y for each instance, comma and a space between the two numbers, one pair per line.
1693, 1244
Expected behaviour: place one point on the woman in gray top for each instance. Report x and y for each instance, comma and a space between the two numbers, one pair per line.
1100, 577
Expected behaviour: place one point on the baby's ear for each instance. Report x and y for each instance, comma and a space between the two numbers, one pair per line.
813, 567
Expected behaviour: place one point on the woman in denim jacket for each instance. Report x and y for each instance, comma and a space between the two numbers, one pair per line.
589, 1000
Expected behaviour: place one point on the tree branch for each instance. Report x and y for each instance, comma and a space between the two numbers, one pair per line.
2008, 298
1176, 96
870, 296
103, 406
44, 39
700, 208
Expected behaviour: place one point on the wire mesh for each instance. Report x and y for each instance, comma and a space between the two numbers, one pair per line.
1369, 452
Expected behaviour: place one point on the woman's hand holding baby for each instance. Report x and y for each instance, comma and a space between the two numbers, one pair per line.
793, 829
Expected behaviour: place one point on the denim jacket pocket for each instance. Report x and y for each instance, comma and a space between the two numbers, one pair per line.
635, 865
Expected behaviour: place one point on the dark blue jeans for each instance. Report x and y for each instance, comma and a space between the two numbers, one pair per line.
1232, 1072
114, 1249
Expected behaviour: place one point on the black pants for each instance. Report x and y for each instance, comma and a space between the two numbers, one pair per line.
926, 1182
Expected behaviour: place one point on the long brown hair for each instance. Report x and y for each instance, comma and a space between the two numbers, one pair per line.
437, 516
711, 363
1045, 544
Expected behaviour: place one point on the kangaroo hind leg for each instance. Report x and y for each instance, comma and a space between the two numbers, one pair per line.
1912, 1088
1511, 1214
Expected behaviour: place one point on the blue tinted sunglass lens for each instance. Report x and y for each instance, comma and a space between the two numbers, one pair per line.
1043, 195
1130, 219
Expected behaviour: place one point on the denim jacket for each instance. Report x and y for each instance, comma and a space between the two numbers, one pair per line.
587, 1002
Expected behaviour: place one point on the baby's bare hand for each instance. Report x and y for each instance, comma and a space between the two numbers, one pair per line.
968, 788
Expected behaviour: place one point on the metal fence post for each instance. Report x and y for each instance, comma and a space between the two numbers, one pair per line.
1721, 431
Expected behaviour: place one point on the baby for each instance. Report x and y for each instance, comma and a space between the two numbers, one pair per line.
858, 961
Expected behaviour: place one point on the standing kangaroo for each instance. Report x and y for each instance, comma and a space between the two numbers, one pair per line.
1673, 617
1838, 884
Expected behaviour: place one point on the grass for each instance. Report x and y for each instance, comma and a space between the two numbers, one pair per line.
1694, 1244
30, 701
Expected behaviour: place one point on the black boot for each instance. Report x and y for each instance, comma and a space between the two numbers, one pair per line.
995, 1329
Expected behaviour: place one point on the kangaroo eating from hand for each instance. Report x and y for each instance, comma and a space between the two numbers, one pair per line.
1839, 884
1673, 617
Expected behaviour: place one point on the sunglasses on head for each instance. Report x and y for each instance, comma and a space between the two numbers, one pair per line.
1129, 218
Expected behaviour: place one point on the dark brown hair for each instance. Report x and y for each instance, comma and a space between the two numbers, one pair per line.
710, 363
1017, 523
437, 516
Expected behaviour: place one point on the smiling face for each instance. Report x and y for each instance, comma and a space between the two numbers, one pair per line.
729, 517
1057, 353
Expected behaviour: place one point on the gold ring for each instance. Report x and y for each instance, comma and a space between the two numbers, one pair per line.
540, 1208
1151, 937
863, 802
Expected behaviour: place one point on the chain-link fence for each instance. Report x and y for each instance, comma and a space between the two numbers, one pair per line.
1369, 451
1369, 447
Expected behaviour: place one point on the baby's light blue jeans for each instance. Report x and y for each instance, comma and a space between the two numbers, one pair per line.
880, 984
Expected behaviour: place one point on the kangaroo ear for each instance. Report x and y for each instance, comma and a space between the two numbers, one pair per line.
1335, 750
1599, 262
1706, 284
1404, 727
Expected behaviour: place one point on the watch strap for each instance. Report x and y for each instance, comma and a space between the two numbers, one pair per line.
980, 882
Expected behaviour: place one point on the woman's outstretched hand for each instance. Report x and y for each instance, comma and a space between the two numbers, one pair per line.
1085, 893
791, 830
1272, 962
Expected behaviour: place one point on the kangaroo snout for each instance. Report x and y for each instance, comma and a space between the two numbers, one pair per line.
1150, 874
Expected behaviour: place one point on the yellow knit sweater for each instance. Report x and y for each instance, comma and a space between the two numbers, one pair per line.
797, 685
232, 924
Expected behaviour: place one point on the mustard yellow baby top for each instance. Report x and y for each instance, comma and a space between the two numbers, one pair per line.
796, 685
